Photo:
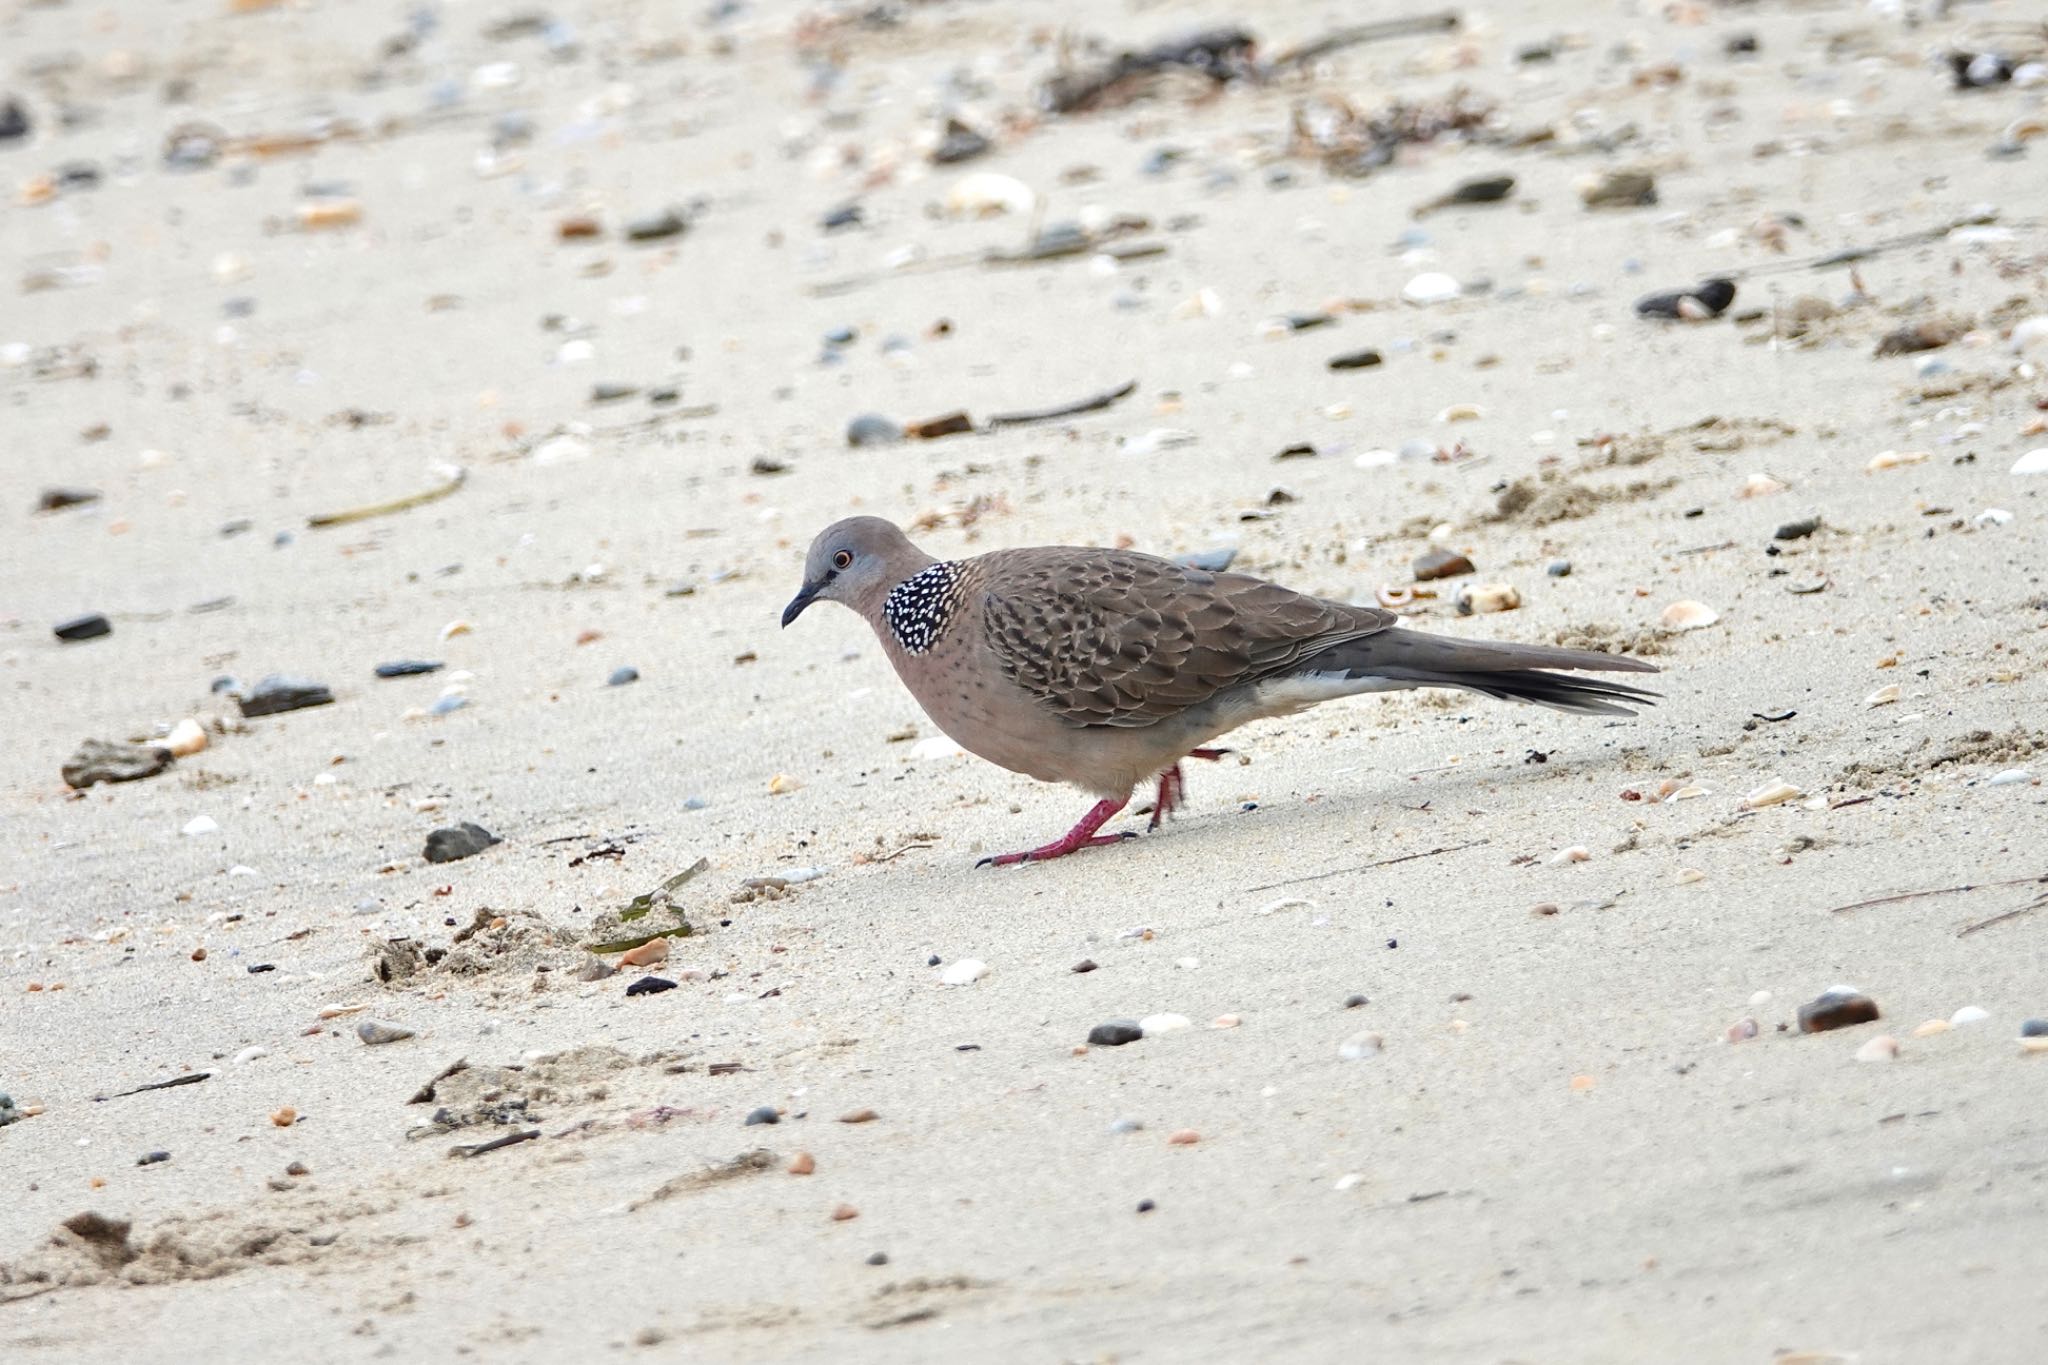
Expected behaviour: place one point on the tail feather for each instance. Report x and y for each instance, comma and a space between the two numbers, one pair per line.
1401, 658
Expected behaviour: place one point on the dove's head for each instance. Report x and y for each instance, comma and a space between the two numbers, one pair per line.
856, 562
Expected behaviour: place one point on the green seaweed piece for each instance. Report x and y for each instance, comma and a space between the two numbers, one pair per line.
644, 903
621, 945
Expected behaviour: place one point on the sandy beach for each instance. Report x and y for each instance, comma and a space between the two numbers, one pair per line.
532, 344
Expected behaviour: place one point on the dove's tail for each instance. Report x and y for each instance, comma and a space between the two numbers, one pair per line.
1396, 659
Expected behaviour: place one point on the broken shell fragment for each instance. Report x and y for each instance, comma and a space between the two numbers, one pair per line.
1759, 485
2033, 462
1884, 696
1577, 853
1837, 1008
1895, 459
653, 951
186, 738
1688, 615
1479, 598
1771, 794
985, 194
1883, 1048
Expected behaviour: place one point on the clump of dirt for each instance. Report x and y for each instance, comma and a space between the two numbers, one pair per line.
1709, 435
1928, 754
508, 1096
1601, 638
1551, 497
493, 941
89, 1248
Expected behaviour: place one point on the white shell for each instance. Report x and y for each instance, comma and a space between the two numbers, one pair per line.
1894, 459
965, 972
985, 194
1771, 794
1577, 853
187, 737
1969, 1014
1152, 1025
1884, 696
1688, 615
1760, 485
2033, 462
1431, 286
1489, 597
1883, 1048
1359, 1046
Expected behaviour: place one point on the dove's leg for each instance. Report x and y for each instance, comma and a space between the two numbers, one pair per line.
1079, 837
1172, 788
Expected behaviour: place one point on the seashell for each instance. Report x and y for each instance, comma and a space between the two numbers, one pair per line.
803, 1163
1186, 1137
1689, 875
1894, 459
1931, 1027
1203, 303
985, 194
1359, 1046
1969, 1014
1486, 597
1226, 1021
1759, 485
1388, 596
965, 972
1883, 1048
1771, 794
187, 737
1992, 516
455, 628
935, 746
1432, 286
1461, 412
2033, 462
330, 213
1884, 696
647, 954
1577, 853
1153, 1025
1687, 794
1741, 1031
845, 1213
2009, 778
1688, 615
782, 784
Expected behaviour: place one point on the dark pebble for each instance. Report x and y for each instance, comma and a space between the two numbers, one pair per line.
1352, 1002
84, 627
1356, 360
13, 121
2034, 1028
152, 1158
258, 968
53, 499
1086, 964
1559, 568
1488, 190
99, 760
932, 961
878, 1258
1707, 300
1209, 561
952, 424
841, 336
1742, 44
612, 393
1797, 530
845, 216
1836, 1009
406, 668
460, 841
621, 676
662, 397
298, 1168
657, 227
961, 143
1115, 1033
1439, 564
871, 429
278, 693
1146, 1206
765, 1114
650, 985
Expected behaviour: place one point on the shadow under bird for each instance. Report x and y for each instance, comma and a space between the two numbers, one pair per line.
1103, 669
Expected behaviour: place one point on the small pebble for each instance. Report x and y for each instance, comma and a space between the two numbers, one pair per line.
859, 1116
406, 668
186, 738
1439, 564
878, 1258
1969, 1014
1154, 1024
1837, 1008
845, 1213
1797, 530
1352, 1002
200, 825
376, 1034
650, 985
765, 1114
285, 1117
803, 1163
1086, 964
1146, 1206
1741, 1031
1355, 360
279, 692
656, 227
1480, 598
1226, 1021
152, 1158
871, 429
1186, 1137
621, 676
2034, 1028
1558, 568
1883, 1048
460, 841
99, 760
1115, 1033
84, 627
648, 954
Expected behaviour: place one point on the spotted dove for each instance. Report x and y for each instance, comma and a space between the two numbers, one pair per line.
1104, 668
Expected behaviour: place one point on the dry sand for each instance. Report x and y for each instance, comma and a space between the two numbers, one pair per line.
1556, 1156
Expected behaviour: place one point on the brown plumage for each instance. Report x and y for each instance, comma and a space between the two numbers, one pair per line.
1104, 668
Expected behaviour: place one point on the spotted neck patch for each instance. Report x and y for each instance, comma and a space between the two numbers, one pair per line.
919, 608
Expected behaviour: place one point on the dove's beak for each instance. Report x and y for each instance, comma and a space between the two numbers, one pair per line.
799, 602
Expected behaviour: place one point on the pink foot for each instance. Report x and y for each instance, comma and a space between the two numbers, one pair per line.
1212, 755
1079, 837
1173, 785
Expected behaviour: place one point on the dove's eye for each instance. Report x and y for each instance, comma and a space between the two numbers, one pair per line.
842, 560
